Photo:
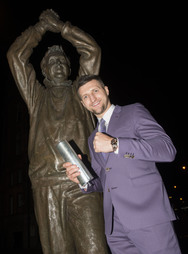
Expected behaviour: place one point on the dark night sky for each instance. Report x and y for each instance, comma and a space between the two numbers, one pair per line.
144, 53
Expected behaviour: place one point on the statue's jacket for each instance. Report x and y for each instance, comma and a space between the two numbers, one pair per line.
55, 112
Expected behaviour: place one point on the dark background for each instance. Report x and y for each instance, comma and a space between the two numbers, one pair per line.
144, 53
144, 58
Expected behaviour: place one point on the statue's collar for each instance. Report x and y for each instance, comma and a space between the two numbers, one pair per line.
50, 84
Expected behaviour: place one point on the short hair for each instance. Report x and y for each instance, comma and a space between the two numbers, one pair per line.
87, 78
53, 50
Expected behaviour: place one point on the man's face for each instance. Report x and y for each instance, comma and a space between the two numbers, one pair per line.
94, 97
58, 69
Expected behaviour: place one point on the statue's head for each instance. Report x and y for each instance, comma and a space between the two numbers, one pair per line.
55, 64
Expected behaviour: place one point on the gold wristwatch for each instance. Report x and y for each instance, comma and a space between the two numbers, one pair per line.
114, 144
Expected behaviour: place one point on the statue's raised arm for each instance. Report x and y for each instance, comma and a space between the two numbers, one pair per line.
20, 51
89, 50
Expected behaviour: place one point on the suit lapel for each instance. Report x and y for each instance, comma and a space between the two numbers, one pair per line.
114, 120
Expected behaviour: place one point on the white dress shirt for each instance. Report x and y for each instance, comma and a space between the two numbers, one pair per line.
107, 116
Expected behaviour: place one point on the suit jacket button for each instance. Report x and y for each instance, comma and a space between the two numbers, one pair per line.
107, 169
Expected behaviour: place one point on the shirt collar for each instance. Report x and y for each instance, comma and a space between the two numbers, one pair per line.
108, 114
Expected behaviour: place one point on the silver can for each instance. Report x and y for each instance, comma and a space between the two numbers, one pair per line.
69, 155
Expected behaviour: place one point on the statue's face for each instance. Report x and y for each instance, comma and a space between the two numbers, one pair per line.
57, 68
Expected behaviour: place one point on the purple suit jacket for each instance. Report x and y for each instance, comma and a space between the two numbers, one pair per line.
130, 179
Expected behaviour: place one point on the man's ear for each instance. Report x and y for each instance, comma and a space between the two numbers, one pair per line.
106, 89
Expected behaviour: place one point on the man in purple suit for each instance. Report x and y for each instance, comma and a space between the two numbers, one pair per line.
137, 211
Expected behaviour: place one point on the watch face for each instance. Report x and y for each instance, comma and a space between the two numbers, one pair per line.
114, 144
114, 141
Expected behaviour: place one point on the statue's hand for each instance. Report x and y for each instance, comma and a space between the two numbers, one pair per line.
51, 20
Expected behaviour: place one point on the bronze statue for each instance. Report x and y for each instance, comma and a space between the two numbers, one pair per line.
69, 221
